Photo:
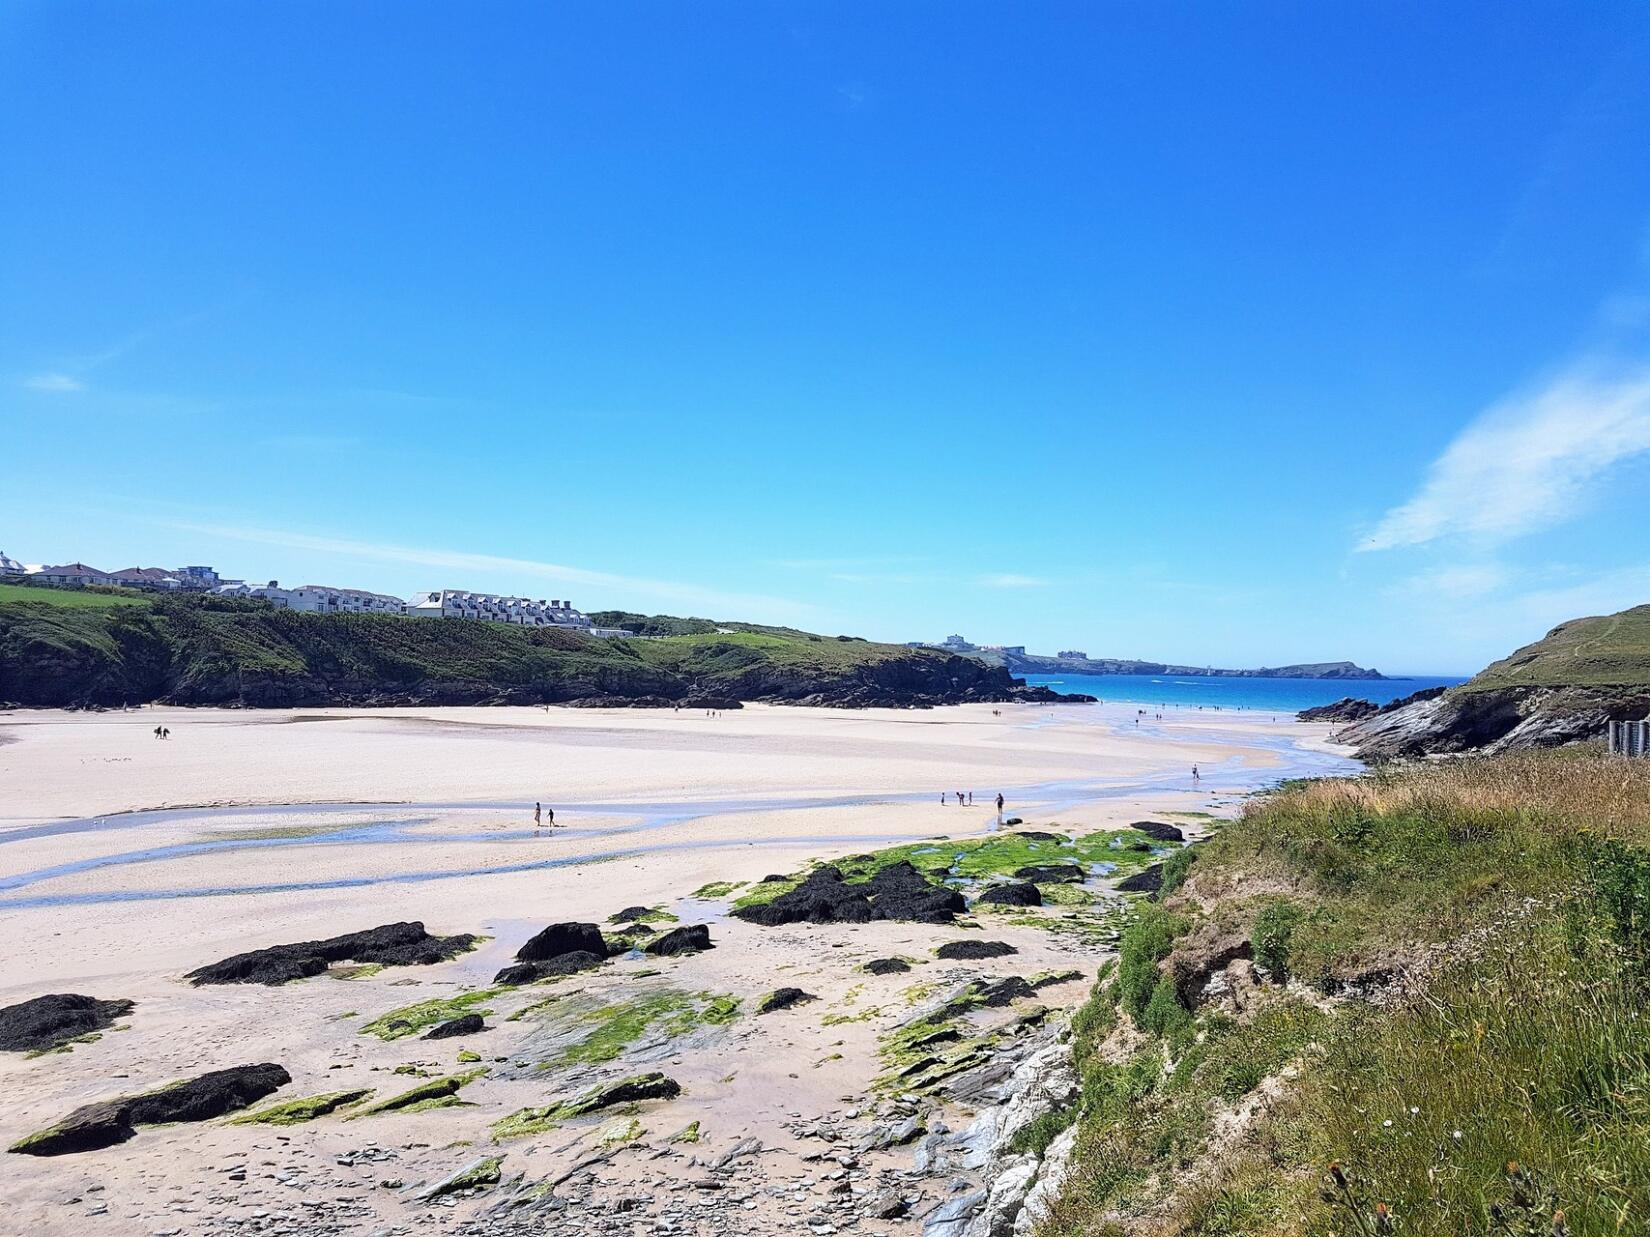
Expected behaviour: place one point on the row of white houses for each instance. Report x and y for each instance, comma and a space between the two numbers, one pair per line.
448, 603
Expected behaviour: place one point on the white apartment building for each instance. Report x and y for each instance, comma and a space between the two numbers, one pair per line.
318, 598
456, 603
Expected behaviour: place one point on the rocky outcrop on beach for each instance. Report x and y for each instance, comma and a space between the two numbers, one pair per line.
1346, 709
46, 1022
114, 1121
897, 891
392, 944
970, 950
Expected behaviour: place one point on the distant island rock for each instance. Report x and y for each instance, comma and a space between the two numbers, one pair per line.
1031, 663
1565, 688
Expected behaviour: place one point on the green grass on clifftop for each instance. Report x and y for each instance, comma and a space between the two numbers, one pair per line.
1609, 651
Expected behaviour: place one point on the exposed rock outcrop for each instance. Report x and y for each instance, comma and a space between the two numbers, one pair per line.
898, 891
464, 1024
46, 1022
783, 998
1346, 709
1493, 721
1052, 873
114, 1121
970, 950
688, 939
1015, 894
1147, 880
391, 944
1159, 831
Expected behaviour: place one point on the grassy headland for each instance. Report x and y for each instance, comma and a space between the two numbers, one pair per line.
64, 647
1409, 1003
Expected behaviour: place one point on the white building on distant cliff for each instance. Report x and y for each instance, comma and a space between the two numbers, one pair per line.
456, 603
10, 566
317, 598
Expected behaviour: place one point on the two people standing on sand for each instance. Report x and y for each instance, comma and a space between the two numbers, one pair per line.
539, 811
162, 732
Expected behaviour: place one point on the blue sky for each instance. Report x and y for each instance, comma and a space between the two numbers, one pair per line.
1217, 333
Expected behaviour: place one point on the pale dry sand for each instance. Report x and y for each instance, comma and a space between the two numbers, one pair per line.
429, 817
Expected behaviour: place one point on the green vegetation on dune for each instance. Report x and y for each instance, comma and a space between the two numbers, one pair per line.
1458, 1047
1608, 651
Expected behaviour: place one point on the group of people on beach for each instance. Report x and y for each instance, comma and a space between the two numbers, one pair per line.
965, 798
163, 732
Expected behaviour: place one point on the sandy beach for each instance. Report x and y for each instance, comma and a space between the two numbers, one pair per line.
126, 861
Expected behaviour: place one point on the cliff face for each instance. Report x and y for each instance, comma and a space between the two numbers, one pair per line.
1499, 720
1564, 688
210, 653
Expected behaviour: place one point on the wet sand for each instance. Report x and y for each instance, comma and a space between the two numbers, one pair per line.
126, 861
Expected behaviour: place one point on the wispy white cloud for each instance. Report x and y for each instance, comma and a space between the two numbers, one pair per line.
1009, 579
732, 605
1456, 582
54, 383
1527, 463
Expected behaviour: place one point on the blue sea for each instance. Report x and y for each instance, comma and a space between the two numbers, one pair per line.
1204, 691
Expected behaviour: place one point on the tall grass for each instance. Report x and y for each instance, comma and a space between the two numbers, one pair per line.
1503, 1087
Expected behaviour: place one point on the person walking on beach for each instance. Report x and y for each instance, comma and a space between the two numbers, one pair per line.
157, 732
971, 798
999, 803
1195, 777
552, 816
538, 812
166, 732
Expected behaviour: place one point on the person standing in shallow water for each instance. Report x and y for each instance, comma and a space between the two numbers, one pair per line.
999, 803
538, 812
552, 812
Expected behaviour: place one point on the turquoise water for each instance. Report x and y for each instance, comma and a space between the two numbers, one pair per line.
1197, 690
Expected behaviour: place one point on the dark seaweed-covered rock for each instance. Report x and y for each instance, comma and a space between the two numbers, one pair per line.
563, 938
688, 939
1159, 831
465, 1024
1012, 895
1147, 880
783, 998
954, 951
45, 1022
114, 1121
887, 966
897, 891
1033, 835
391, 944
996, 995
1055, 978
1052, 873
631, 914
562, 964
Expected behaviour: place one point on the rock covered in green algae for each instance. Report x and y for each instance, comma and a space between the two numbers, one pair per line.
633, 1090
305, 1108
